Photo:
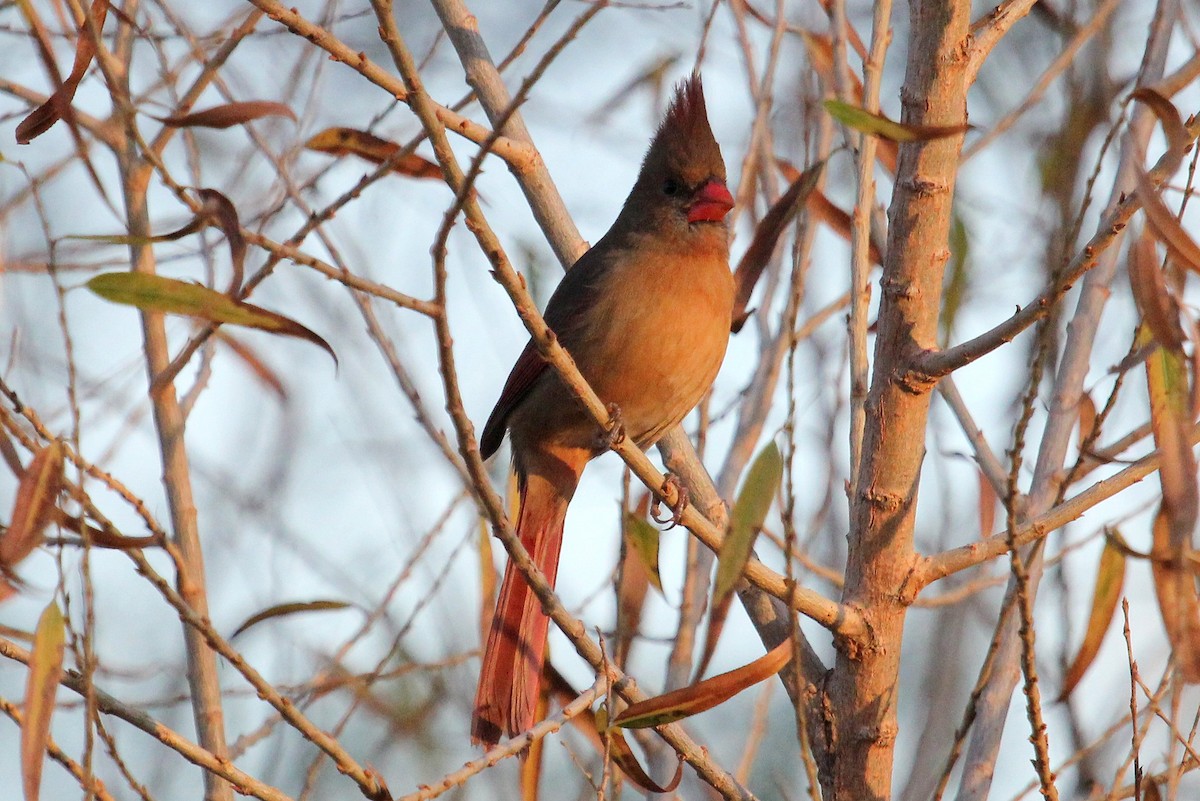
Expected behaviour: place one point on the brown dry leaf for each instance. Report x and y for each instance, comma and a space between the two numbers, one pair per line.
766, 235
291, 608
349, 141
1177, 602
704, 695
220, 209
1110, 578
641, 552
987, 506
1155, 302
624, 758
34, 509
42, 118
1087, 418
1166, 226
45, 670
1178, 139
1150, 791
229, 114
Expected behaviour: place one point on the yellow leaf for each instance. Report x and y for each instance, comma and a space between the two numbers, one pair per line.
1110, 578
1177, 601
644, 539
45, 670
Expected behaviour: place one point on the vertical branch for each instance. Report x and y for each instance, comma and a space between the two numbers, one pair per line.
994, 702
169, 423
861, 692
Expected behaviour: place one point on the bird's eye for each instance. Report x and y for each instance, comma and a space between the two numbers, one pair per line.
671, 187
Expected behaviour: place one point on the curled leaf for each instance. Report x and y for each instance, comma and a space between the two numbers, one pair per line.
45, 670
167, 295
291, 608
644, 539
1110, 578
1178, 139
349, 141
766, 235
229, 114
704, 695
623, 756
34, 509
873, 124
58, 105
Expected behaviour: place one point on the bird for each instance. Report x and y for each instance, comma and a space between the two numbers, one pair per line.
645, 314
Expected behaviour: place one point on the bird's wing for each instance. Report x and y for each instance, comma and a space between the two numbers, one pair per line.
567, 315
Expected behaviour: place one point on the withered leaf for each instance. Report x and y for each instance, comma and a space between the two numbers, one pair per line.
229, 114
1110, 578
42, 118
704, 695
349, 141
873, 124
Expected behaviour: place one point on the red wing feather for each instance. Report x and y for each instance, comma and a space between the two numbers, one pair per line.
529, 366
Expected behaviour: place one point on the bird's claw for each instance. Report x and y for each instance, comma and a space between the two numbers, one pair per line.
614, 433
672, 482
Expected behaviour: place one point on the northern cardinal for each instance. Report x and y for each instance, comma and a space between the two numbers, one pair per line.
646, 316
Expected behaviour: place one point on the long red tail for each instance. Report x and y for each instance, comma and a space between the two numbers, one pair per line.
512, 661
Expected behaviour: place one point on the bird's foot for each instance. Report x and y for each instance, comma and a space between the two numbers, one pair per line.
671, 485
614, 433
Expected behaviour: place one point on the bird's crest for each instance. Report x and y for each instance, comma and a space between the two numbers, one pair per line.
685, 138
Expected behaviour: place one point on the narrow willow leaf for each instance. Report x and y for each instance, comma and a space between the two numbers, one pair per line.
167, 295
873, 124
1175, 589
1166, 226
221, 210
45, 670
766, 236
704, 695
58, 105
746, 520
291, 608
624, 758
1155, 303
957, 278
644, 539
1087, 419
987, 506
348, 141
1172, 124
1110, 578
34, 509
229, 114
1170, 421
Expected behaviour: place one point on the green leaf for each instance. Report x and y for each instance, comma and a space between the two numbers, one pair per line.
644, 539
753, 503
291, 608
746, 520
167, 295
45, 670
873, 124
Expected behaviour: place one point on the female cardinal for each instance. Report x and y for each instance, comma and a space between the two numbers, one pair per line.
646, 316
